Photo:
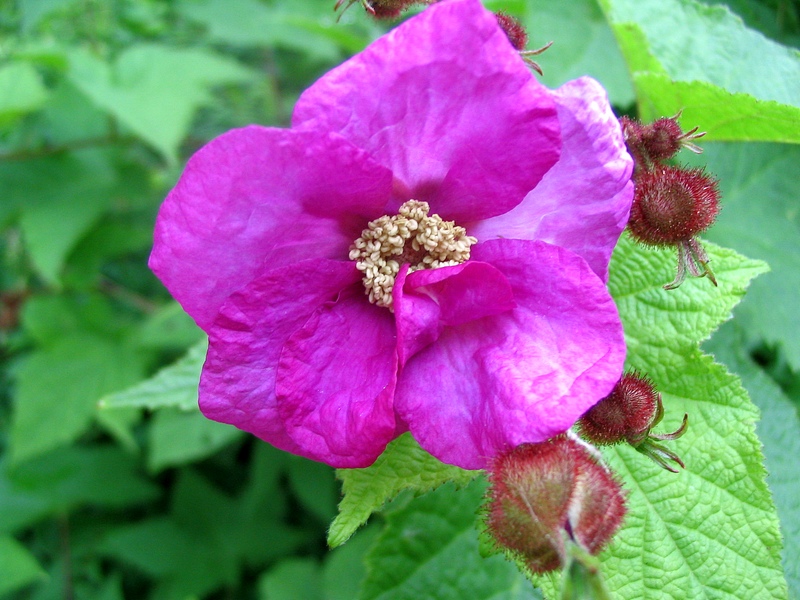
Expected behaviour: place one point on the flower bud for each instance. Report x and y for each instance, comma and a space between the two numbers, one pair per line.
513, 29
658, 141
381, 9
544, 496
672, 205
628, 414
664, 137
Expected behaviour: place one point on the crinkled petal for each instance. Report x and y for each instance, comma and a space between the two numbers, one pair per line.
260, 197
448, 105
519, 376
336, 382
427, 300
583, 203
237, 385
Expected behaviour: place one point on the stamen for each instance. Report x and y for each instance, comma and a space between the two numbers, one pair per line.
411, 237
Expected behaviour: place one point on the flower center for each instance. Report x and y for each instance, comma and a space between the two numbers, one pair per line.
411, 237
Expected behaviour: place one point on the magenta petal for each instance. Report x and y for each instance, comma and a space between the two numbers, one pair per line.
582, 204
518, 376
336, 382
447, 104
259, 197
237, 385
427, 300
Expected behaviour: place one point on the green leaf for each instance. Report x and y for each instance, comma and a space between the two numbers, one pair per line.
583, 44
66, 479
18, 567
724, 116
403, 465
59, 198
21, 91
178, 437
761, 217
154, 90
169, 327
292, 579
250, 23
695, 42
173, 386
429, 549
58, 389
779, 431
344, 567
710, 531
315, 486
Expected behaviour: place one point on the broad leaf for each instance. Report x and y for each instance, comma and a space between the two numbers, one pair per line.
179, 79
723, 115
687, 55
761, 218
779, 430
178, 437
695, 42
173, 386
58, 390
18, 567
429, 549
403, 465
710, 531
21, 91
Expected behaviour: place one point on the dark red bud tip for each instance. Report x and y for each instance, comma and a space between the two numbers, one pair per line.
544, 494
672, 205
658, 141
380, 9
626, 414
513, 29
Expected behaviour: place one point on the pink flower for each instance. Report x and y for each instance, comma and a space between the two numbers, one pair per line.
510, 340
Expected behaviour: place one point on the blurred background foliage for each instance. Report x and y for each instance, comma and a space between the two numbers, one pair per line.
101, 103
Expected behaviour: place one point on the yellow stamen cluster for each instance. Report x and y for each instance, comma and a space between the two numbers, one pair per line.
410, 237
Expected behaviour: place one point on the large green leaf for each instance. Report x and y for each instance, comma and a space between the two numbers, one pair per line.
710, 531
779, 431
18, 567
429, 549
179, 437
173, 386
723, 115
154, 90
403, 465
583, 44
58, 198
713, 55
21, 91
252, 23
58, 389
761, 217
66, 479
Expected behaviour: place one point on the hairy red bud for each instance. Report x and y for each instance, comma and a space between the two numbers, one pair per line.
513, 29
628, 414
543, 496
672, 205
381, 9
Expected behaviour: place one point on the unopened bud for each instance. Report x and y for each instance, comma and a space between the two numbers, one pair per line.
657, 141
514, 29
545, 496
381, 9
672, 205
628, 414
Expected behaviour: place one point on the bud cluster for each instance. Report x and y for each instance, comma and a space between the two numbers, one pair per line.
672, 204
